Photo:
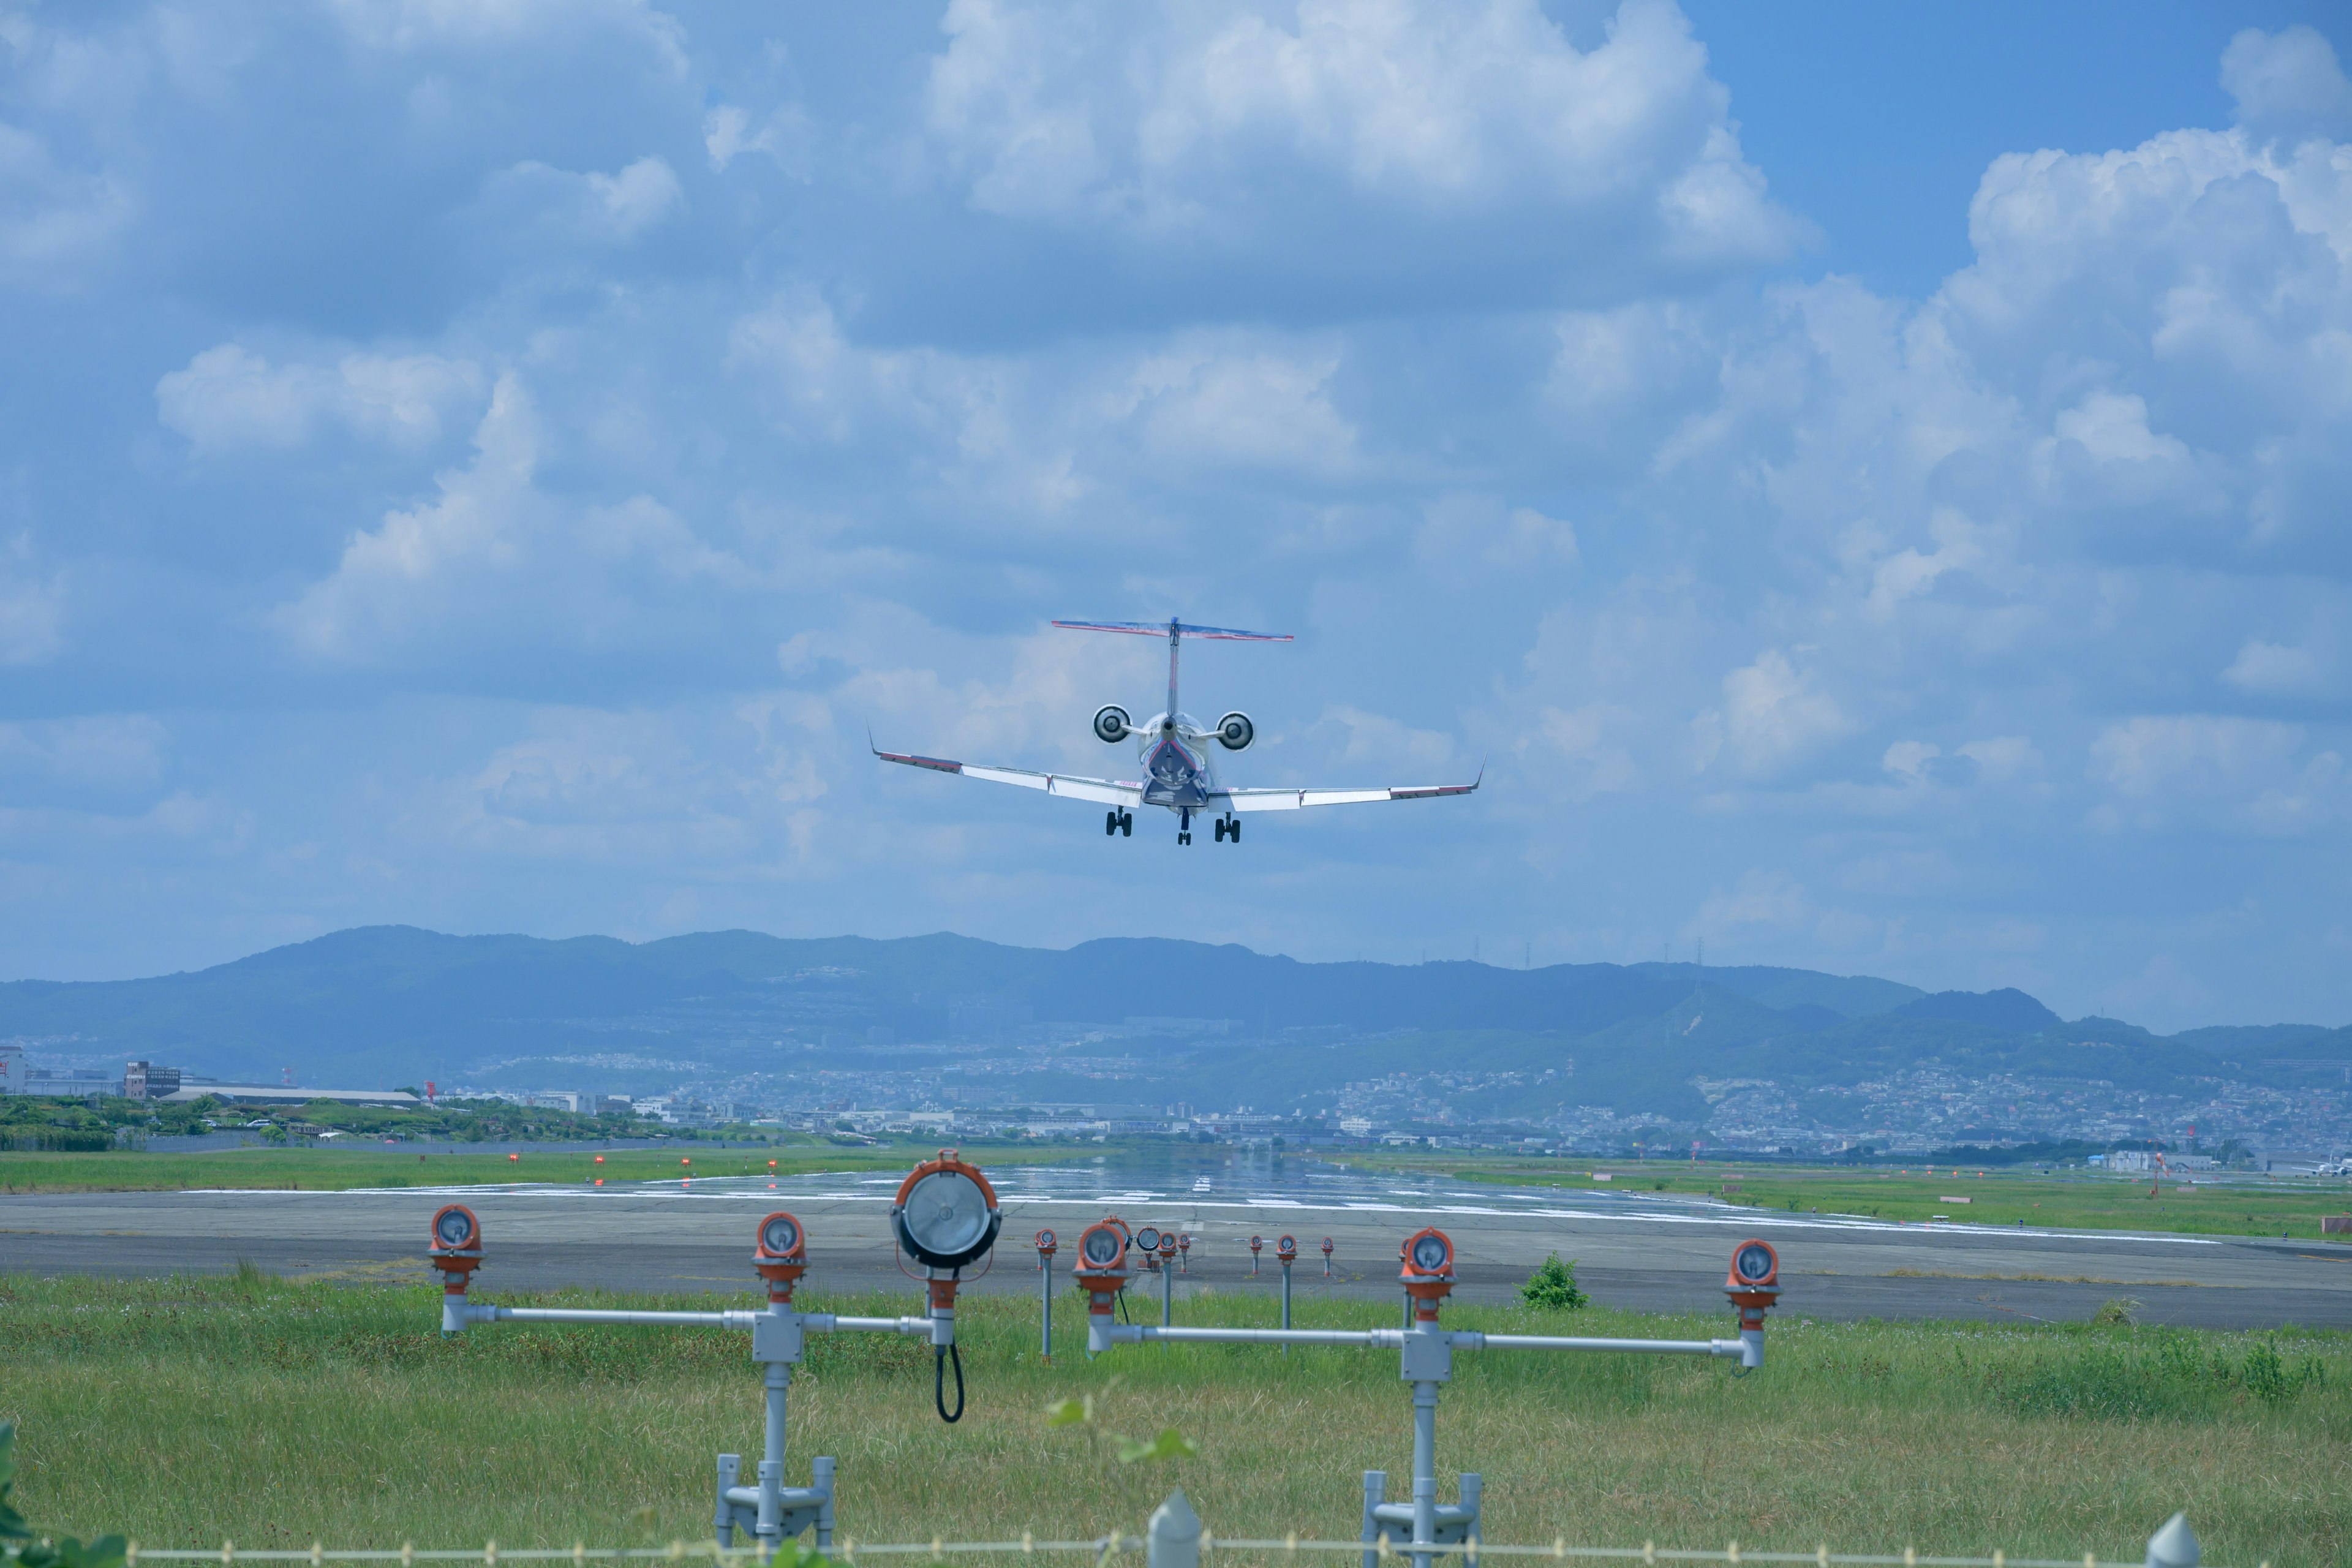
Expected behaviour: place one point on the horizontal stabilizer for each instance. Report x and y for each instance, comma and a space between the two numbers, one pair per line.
1182, 629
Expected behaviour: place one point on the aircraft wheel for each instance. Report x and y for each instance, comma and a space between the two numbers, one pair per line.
1126, 825
1234, 828
1110, 823
1183, 838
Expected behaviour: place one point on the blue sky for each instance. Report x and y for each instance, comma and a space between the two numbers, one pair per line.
1868, 483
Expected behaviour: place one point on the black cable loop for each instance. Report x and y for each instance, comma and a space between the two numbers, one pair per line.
941, 1357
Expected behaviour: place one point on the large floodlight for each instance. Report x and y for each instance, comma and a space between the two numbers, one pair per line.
945, 1214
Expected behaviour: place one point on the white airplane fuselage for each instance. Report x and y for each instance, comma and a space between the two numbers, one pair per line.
1177, 773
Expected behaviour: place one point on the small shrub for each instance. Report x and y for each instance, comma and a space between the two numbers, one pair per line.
2115, 1313
1554, 1286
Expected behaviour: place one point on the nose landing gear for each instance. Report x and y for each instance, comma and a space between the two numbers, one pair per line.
1229, 826
1185, 826
1118, 822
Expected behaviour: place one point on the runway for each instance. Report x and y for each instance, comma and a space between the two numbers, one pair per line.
1657, 1255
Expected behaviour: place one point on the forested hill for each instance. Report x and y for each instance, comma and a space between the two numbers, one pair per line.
399, 1003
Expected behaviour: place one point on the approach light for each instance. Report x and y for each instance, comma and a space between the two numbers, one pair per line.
1148, 1238
1754, 1267
1101, 1247
600, 1158
1286, 1248
1428, 1271
456, 1250
1327, 1247
1102, 1266
454, 1227
781, 1256
1046, 1242
945, 1214
1167, 1246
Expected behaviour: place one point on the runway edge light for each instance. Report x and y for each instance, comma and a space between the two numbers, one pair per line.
780, 1256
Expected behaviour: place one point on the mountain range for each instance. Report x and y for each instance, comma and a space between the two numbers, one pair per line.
1130, 1018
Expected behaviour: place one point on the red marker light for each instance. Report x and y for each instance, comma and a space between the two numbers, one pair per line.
514, 1156
600, 1158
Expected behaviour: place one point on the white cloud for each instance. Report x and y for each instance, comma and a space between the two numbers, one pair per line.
1229, 404
387, 581
1772, 715
230, 397
787, 137
2288, 84
2192, 754
1460, 529
2269, 669
591, 208
1235, 124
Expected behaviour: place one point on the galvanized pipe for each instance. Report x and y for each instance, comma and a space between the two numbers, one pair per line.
726, 1320
1470, 1341
1166, 1296
1104, 1334
826, 1322
772, 1464
1046, 1274
1424, 1469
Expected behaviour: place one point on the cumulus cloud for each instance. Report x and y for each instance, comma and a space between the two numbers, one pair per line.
2287, 84
1773, 715
230, 397
1250, 129
590, 208
2271, 669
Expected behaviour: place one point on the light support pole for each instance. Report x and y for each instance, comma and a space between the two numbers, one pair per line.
1286, 1252
1047, 1244
770, 1511
1426, 1360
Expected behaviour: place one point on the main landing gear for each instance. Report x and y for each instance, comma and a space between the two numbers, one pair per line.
1118, 822
1229, 826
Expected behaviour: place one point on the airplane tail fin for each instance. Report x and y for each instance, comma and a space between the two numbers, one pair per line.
1176, 628
1175, 631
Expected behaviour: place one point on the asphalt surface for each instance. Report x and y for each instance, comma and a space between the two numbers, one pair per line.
1656, 1256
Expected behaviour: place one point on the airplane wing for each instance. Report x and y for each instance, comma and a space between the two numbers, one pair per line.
1300, 799
1102, 791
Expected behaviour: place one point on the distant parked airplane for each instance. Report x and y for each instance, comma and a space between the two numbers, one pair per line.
1175, 760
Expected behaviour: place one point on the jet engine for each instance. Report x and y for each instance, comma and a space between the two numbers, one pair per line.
1111, 724
1235, 731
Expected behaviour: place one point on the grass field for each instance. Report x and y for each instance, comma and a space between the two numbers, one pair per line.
336, 1168
2237, 1207
188, 1411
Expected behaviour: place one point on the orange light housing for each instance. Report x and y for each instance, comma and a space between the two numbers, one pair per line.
1286, 1248
781, 1254
456, 1247
1753, 1282
1427, 1271
1102, 1270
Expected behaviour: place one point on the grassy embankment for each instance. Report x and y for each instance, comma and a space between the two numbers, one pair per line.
333, 1169
190, 1411
2237, 1207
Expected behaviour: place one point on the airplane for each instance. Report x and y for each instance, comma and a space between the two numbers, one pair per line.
1176, 759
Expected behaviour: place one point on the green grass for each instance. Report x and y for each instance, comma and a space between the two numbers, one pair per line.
332, 1169
189, 1411
1997, 1198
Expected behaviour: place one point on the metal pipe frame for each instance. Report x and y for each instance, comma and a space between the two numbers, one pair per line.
778, 1334
1426, 1360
